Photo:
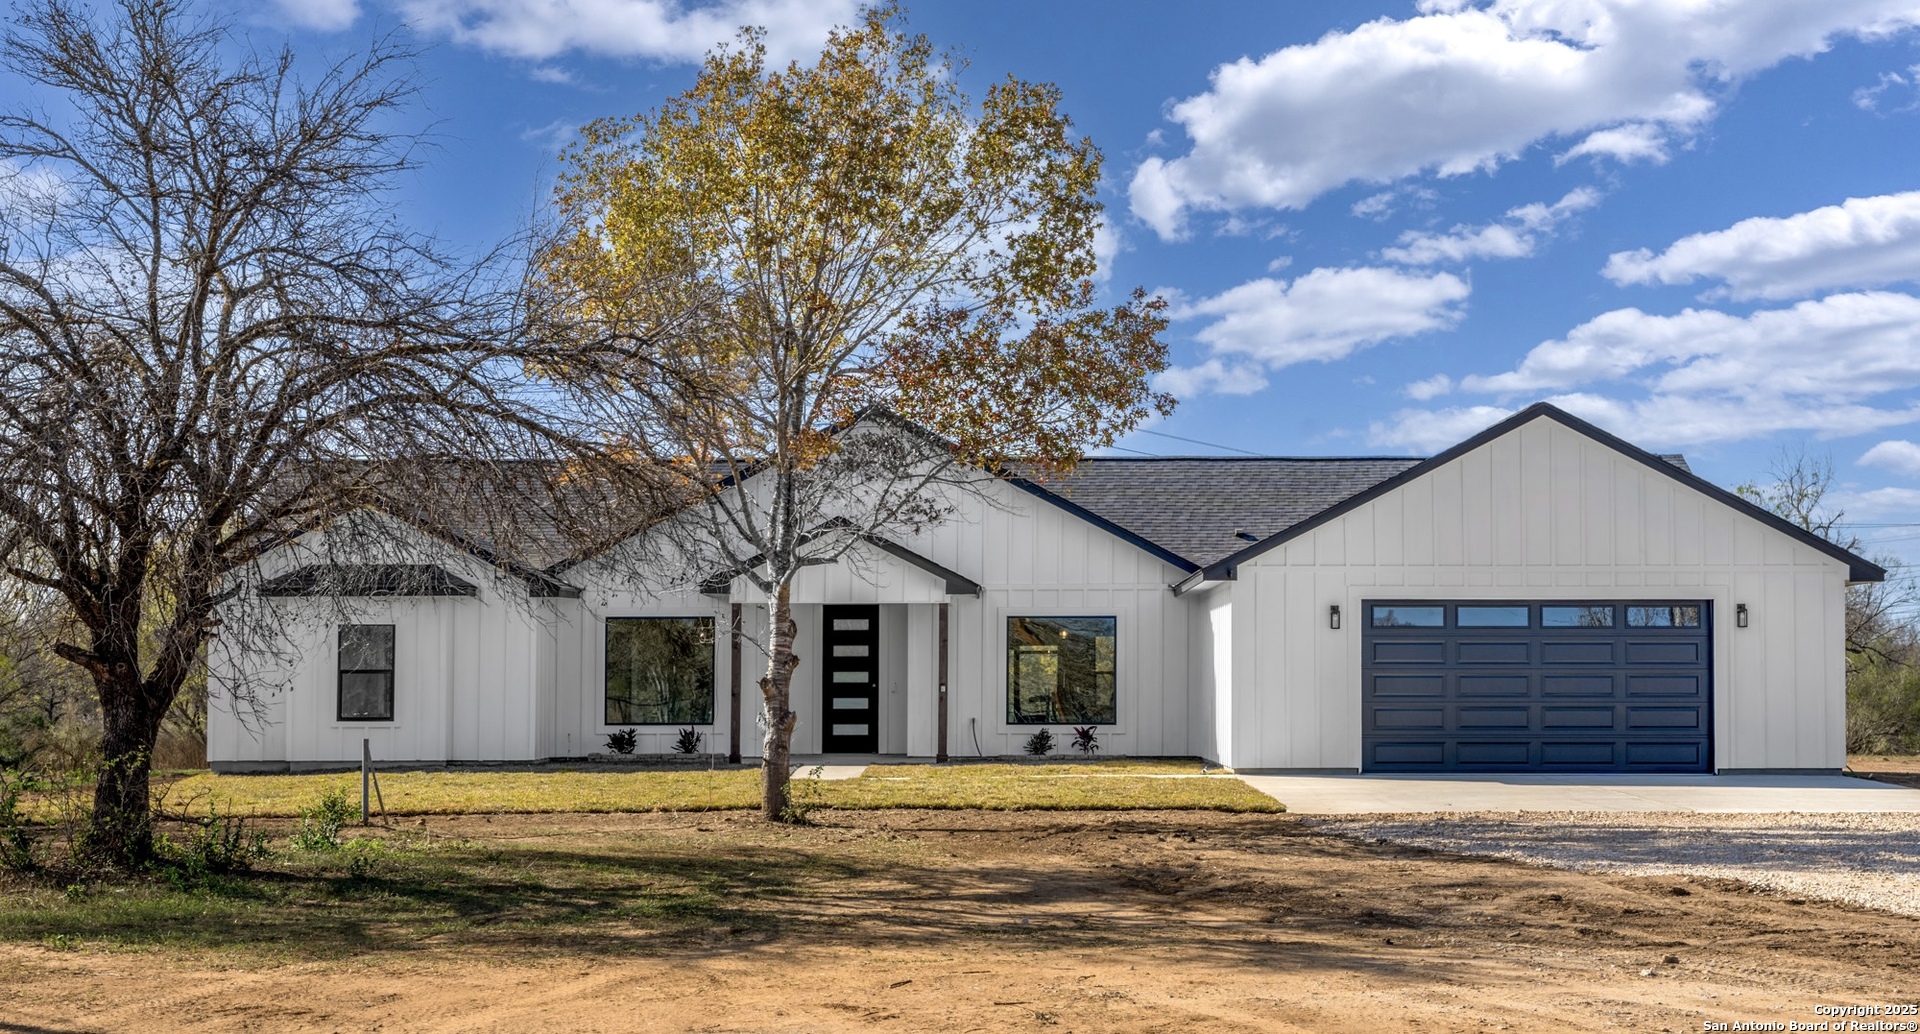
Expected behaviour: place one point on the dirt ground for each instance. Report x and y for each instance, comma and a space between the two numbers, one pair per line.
1903, 769
1057, 922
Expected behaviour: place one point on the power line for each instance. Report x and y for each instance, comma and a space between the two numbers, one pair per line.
1196, 441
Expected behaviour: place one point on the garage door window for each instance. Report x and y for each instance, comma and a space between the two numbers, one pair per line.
1576, 617
1663, 617
1493, 617
1409, 617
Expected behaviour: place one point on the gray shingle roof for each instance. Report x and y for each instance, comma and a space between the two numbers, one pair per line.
1200, 507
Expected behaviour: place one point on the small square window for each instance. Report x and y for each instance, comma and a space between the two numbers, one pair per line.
1409, 617
1492, 617
1663, 617
366, 673
1576, 617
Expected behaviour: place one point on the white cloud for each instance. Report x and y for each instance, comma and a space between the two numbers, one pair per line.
662, 30
1433, 387
1108, 243
1379, 206
1325, 314
320, 15
1466, 85
1868, 98
1513, 238
1862, 242
1901, 457
1211, 377
1846, 364
1424, 430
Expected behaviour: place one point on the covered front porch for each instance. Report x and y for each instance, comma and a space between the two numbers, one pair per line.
876, 655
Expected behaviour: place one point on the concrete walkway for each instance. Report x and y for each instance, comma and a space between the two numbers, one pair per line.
1382, 794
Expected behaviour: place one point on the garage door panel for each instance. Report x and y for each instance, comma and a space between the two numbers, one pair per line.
1665, 685
1410, 652
1653, 753
1427, 754
1585, 754
1409, 685
1577, 653
1578, 717
1494, 685
1494, 753
1430, 718
1492, 718
1663, 653
1583, 687
1576, 685
1665, 718
1495, 653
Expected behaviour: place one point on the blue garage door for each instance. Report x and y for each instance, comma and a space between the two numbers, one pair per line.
1536, 686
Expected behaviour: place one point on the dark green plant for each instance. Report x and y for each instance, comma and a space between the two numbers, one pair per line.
688, 741
1086, 741
1040, 744
16, 834
220, 844
320, 825
622, 742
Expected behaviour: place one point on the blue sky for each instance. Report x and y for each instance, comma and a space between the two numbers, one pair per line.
1383, 225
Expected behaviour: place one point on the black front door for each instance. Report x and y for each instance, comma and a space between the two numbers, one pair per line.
850, 644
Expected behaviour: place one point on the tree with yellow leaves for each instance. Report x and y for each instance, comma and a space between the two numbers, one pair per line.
793, 256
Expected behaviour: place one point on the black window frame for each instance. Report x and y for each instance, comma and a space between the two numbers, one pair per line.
1014, 717
342, 671
712, 672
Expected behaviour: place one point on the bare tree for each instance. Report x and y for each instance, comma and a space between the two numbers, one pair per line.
212, 332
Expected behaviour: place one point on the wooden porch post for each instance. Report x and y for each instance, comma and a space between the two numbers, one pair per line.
941, 753
733, 709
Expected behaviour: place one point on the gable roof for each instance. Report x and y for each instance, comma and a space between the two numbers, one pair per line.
1859, 569
1195, 510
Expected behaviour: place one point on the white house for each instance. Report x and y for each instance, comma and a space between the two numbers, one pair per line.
1541, 597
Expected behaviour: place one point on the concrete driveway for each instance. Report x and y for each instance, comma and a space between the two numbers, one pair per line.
1732, 794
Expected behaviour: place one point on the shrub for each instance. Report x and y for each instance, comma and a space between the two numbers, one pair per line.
221, 844
688, 742
622, 742
16, 836
1040, 744
1085, 741
320, 825
1883, 709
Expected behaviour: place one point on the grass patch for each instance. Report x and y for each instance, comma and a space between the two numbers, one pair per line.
1103, 787
1111, 785
640, 892
474, 793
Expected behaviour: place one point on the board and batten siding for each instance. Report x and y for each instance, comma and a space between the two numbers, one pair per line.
1034, 559
1540, 513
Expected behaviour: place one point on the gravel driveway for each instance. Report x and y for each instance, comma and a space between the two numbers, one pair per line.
1871, 860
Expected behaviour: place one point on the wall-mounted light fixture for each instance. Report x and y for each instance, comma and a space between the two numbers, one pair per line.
1333, 617
1740, 614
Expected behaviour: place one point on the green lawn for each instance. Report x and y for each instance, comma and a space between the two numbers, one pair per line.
1103, 786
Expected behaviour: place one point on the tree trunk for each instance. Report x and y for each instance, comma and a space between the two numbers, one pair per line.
121, 832
776, 766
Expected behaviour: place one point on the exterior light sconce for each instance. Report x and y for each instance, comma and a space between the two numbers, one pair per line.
1740, 614
1333, 617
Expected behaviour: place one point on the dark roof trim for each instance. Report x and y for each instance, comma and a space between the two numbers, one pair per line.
369, 580
957, 584
1859, 569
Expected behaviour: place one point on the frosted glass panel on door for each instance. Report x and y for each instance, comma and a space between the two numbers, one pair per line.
849, 703
849, 624
850, 730
849, 676
854, 650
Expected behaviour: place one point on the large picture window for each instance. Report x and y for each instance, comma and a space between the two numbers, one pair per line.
660, 671
366, 673
1060, 671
